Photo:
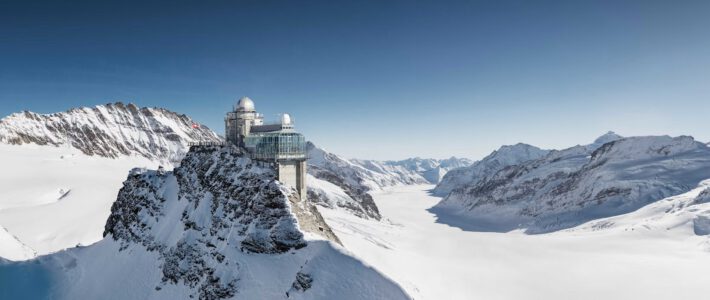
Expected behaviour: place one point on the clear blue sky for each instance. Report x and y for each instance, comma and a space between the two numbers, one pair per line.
380, 79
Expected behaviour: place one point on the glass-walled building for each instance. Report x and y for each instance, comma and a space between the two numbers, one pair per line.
276, 145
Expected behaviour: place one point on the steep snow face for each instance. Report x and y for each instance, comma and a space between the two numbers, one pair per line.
218, 227
679, 214
432, 170
12, 249
353, 181
328, 190
566, 188
499, 159
110, 130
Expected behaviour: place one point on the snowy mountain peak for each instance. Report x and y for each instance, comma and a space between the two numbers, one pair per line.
110, 130
517, 152
647, 147
505, 156
607, 137
603, 139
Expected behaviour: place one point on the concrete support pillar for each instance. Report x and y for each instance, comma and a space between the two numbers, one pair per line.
301, 180
293, 173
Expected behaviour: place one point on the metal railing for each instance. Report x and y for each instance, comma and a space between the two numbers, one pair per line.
207, 144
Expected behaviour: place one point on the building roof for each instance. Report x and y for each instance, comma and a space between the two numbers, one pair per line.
268, 128
245, 104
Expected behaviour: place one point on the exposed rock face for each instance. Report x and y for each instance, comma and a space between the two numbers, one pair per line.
352, 180
109, 130
224, 198
568, 187
303, 282
353, 198
355, 174
704, 197
309, 219
218, 227
499, 159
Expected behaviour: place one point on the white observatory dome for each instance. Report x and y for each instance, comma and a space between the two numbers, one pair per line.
245, 104
286, 119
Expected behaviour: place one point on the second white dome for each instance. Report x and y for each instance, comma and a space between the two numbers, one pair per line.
285, 119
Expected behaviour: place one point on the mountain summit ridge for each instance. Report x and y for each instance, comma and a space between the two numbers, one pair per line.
110, 130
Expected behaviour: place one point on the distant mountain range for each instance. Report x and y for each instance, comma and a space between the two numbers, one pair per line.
501, 158
411, 169
542, 191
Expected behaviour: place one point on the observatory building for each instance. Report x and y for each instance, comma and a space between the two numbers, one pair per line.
274, 143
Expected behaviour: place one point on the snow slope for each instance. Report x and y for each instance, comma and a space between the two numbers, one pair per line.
681, 214
436, 261
218, 227
34, 211
569, 187
11, 248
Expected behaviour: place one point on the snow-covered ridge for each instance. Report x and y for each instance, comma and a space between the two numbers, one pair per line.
704, 196
217, 227
109, 130
509, 155
505, 156
569, 187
